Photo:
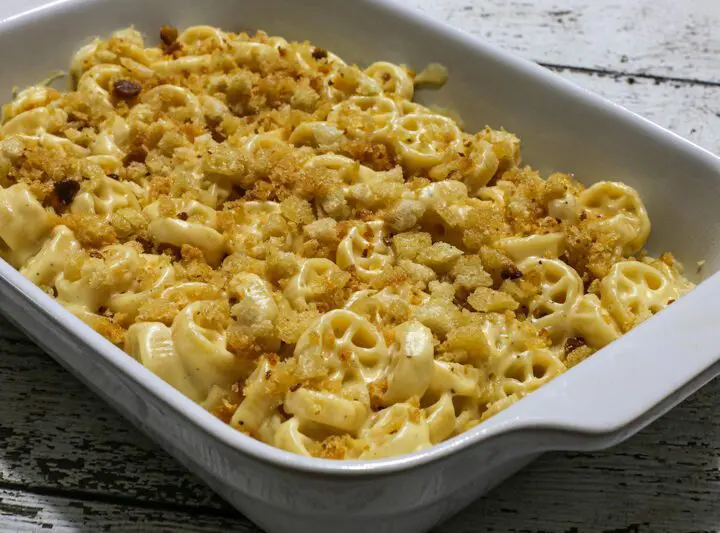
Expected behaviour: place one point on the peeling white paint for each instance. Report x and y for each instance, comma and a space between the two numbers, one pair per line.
667, 37
69, 463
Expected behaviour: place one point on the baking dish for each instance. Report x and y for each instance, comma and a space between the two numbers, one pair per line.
594, 405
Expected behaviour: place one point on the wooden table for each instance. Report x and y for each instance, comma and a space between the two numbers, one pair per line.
70, 463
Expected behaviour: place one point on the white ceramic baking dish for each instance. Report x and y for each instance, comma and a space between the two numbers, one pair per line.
594, 405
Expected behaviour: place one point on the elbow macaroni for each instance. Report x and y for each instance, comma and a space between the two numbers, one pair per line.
294, 244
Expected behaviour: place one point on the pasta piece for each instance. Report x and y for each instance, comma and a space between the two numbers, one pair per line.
202, 348
346, 169
98, 278
422, 140
196, 228
150, 343
483, 165
591, 321
259, 402
114, 132
165, 303
565, 209
256, 304
310, 57
620, 210
411, 363
24, 224
96, 84
363, 115
633, 291
320, 135
256, 145
501, 334
327, 409
44, 267
455, 378
288, 437
560, 287
311, 282
393, 79
344, 339
672, 272
48, 141
463, 384
441, 419
521, 374
182, 65
83, 58
105, 196
549, 245
365, 250
194, 36
157, 273
35, 122
396, 430
27, 99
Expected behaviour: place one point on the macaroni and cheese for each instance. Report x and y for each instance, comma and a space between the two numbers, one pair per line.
293, 243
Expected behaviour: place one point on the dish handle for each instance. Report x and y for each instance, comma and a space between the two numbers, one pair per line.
628, 384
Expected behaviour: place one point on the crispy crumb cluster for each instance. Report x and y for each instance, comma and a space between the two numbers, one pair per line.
296, 245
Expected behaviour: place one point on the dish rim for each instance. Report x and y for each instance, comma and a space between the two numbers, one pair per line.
500, 424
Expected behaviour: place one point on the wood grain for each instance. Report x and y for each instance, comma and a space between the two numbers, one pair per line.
688, 109
665, 479
35, 512
55, 434
667, 38
70, 463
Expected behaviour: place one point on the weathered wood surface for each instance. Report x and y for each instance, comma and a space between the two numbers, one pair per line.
675, 38
70, 463
688, 109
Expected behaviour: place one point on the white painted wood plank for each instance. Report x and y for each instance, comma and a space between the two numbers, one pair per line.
663, 37
55, 434
664, 479
25, 512
690, 110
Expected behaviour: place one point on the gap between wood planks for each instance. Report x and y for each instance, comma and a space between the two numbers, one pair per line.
100, 497
663, 37
658, 79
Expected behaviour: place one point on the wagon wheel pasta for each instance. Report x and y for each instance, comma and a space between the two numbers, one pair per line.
294, 244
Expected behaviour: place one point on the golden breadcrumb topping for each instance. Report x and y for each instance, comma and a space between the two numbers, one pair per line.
295, 244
